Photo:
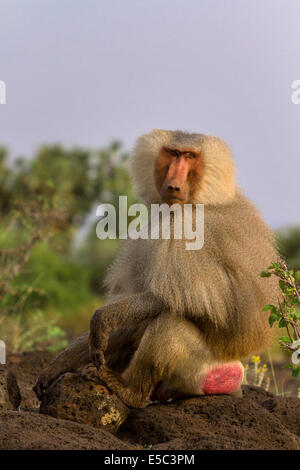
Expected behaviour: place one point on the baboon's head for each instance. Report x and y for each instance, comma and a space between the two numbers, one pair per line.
178, 167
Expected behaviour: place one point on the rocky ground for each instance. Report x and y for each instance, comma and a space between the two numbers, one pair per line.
258, 420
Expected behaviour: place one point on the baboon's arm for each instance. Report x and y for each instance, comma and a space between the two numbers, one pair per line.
128, 310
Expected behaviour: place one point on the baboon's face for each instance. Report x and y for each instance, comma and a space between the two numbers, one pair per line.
178, 171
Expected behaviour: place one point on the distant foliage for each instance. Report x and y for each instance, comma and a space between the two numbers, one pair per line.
287, 314
289, 245
25, 226
43, 201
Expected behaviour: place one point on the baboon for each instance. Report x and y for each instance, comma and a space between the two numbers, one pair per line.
179, 321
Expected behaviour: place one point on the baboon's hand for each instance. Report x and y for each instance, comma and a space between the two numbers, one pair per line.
98, 340
44, 381
97, 357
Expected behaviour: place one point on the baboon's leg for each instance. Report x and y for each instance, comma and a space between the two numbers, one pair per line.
173, 360
121, 347
164, 348
124, 312
75, 356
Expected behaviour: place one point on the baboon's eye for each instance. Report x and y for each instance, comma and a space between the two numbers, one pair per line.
189, 155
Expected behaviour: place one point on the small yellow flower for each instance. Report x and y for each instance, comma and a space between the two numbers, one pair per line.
255, 359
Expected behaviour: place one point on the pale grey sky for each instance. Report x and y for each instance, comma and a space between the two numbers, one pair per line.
87, 71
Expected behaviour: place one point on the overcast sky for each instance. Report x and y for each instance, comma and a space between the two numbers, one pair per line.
87, 71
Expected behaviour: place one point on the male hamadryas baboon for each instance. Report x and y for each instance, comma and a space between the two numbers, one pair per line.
177, 321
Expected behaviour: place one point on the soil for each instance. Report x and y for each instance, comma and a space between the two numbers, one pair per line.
258, 420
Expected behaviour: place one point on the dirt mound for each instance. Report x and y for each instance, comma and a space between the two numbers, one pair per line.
257, 421
217, 422
26, 368
10, 396
30, 430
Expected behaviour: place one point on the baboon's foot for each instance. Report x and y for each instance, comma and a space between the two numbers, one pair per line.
158, 392
223, 379
161, 392
45, 379
116, 383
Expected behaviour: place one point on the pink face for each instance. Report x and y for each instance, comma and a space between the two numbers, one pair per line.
177, 173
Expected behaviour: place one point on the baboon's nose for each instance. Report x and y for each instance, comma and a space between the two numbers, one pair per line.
172, 189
